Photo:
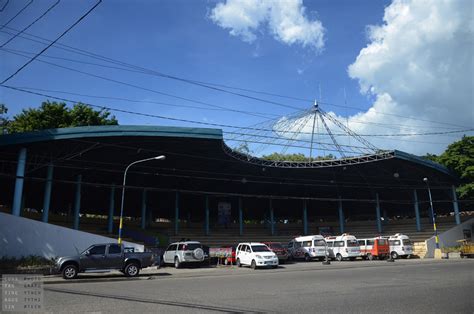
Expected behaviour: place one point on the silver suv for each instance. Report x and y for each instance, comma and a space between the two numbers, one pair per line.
183, 252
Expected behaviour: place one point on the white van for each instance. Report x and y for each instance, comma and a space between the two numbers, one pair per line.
343, 246
400, 246
255, 255
307, 247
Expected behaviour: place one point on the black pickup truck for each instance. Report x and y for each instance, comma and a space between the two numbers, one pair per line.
100, 257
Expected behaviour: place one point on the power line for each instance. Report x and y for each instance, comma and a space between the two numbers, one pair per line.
52, 43
18, 13
210, 85
192, 121
4, 6
31, 24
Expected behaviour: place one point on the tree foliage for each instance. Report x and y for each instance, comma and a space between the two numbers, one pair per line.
459, 157
299, 157
52, 115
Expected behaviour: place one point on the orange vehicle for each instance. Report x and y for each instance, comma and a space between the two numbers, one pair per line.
374, 248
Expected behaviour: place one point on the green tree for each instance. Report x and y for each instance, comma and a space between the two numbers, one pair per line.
298, 157
3, 118
459, 157
52, 115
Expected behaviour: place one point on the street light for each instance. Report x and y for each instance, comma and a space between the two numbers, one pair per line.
432, 213
161, 157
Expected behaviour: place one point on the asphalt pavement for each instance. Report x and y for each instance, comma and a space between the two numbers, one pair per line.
405, 286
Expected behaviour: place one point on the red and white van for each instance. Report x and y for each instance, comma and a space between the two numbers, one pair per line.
374, 248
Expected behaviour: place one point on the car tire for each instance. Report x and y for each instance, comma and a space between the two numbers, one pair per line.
339, 257
253, 265
132, 270
370, 257
177, 264
307, 258
238, 263
394, 255
70, 271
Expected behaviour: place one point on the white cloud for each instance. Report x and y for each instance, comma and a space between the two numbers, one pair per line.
285, 20
418, 64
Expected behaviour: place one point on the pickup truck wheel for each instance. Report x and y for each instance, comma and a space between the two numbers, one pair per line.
177, 264
70, 272
132, 270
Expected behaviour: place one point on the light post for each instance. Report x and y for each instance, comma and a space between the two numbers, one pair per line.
432, 213
161, 157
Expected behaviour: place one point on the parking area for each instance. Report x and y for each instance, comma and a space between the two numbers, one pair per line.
436, 286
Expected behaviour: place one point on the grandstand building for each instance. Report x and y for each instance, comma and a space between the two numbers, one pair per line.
206, 190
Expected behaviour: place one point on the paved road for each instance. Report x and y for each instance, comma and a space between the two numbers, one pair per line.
420, 286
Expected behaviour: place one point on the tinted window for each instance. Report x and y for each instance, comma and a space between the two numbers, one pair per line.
97, 250
193, 246
370, 242
181, 247
260, 248
394, 242
298, 244
114, 249
339, 244
306, 243
290, 245
247, 249
330, 243
172, 247
407, 242
319, 243
352, 243
361, 242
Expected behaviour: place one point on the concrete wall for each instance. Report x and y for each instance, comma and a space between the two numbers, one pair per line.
22, 237
449, 238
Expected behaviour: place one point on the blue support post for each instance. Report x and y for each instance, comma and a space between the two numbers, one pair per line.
241, 221
272, 219
377, 209
110, 218
305, 218
455, 206
47, 192
20, 173
341, 216
143, 220
77, 203
207, 215
176, 214
417, 211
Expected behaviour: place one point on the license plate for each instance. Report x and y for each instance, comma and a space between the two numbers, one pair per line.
268, 263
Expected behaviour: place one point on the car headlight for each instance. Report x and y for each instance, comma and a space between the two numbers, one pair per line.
258, 256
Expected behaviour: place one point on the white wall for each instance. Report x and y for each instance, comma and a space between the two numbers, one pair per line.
449, 238
22, 237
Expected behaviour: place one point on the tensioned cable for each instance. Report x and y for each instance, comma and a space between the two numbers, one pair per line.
104, 58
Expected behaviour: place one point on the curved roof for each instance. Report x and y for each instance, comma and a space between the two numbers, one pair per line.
109, 131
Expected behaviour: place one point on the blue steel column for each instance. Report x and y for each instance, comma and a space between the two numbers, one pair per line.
241, 218
77, 202
377, 209
341, 216
47, 192
272, 219
207, 216
143, 221
20, 173
305, 217
455, 206
417, 211
176, 214
110, 218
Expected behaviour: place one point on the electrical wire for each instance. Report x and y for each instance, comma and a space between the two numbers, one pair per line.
52, 43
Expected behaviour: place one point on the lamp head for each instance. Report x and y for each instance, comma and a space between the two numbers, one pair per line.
425, 179
161, 157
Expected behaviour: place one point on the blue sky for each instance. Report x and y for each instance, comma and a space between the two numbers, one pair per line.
181, 38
